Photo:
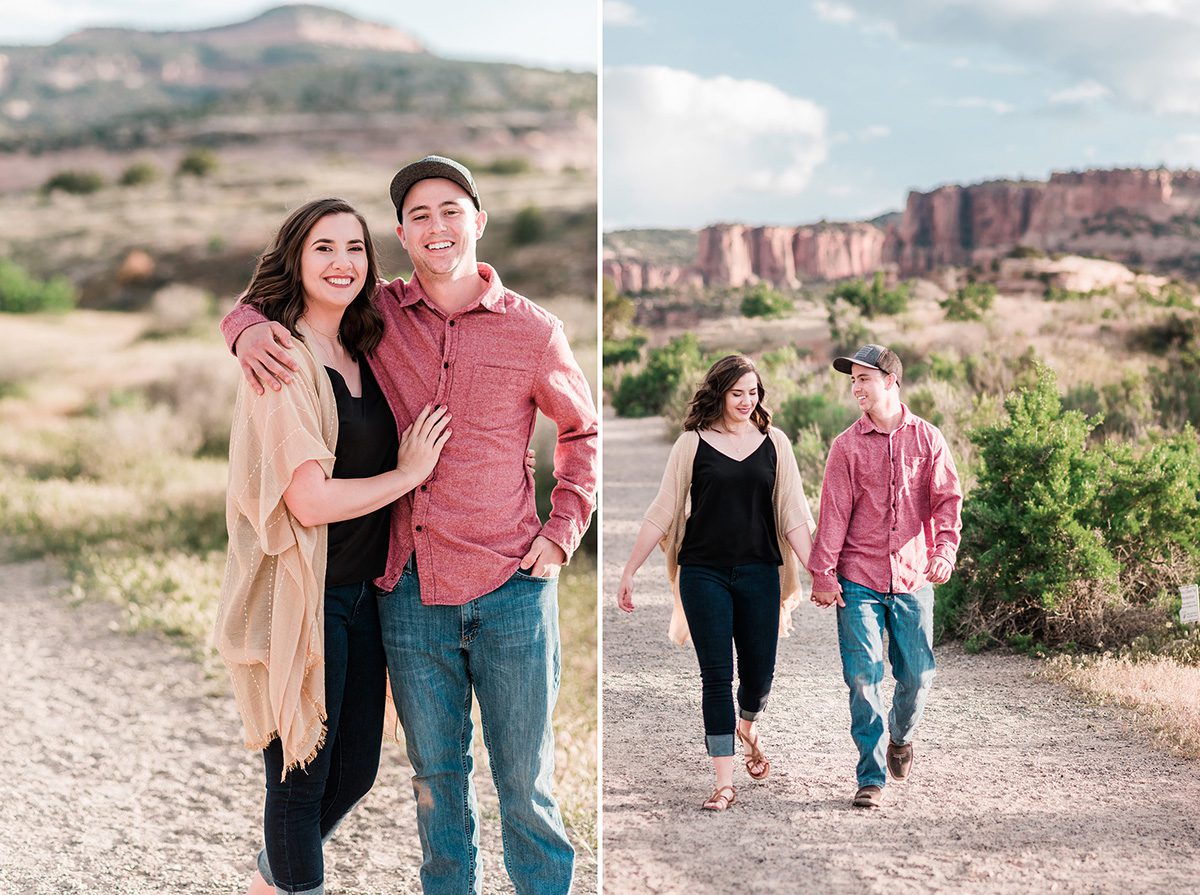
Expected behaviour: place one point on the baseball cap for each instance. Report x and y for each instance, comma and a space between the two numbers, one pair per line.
876, 356
432, 166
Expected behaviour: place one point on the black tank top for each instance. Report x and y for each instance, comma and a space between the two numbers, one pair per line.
366, 446
733, 518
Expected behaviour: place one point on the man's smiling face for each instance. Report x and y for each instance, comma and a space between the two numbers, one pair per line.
440, 228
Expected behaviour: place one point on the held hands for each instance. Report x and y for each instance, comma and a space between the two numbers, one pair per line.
422, 442
938, 571
625, 593
544, 559
826, 598
261, 349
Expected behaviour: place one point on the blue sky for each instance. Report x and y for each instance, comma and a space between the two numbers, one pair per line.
793, 112
562, 34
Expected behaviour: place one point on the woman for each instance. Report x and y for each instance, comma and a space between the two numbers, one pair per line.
313, 468
732, 517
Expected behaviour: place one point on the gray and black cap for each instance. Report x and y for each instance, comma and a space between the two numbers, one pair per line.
432, 166
876, 356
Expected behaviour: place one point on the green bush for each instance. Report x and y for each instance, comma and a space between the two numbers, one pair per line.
1028, 563
623, 351
971, 302
847, 329
826, 414
508, 166
1175, 391
529, 226
139, 173
197, 163
618, 311
647, 392
811, 449
873, 300
79, 183
22, 293
761, 300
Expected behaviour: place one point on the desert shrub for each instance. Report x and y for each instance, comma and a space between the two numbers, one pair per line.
998, 374
1025, 252
1028, 565
941, 367
784, 371
1062, 294
1066, 542
622, 340
529, 226
623, 351
647, 392
1175, 391
197, 163
1178, 332
811, 449
139, 173
971, 302
847, 328
79, 183
827, 414
23, 293
200, 397
508, 166
760, 300
875, 299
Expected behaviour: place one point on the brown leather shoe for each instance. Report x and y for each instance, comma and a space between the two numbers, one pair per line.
899, 760
868, 797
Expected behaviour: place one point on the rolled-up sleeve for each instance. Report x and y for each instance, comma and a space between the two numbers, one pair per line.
945, 502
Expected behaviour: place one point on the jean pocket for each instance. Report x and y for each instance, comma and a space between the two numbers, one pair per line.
525, 576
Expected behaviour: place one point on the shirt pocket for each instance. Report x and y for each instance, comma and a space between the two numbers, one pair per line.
497, 397
915, 474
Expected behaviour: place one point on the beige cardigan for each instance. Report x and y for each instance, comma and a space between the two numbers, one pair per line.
670, 510
270, 626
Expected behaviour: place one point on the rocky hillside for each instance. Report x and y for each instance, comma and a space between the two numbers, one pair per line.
121, 88
1143, 217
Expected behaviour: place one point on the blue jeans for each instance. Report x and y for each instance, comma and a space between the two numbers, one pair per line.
908, 620
728, 607
502, 646
302, 811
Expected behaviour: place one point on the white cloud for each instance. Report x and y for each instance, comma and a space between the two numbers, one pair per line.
681, 148
620, 14
1082, 94
833, 12
999, 106
1143, 51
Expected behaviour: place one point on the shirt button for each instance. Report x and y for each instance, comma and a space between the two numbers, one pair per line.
452, 323
418, 528
425, 488
446, 365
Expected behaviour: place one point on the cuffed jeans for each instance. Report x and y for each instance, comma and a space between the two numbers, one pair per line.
728, 607
908, 620
303, 810
504, 647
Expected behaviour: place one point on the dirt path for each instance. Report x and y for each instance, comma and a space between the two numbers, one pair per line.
124, 773
1018, 786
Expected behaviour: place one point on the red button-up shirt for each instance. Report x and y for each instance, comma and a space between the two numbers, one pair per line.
889, 503
495, 364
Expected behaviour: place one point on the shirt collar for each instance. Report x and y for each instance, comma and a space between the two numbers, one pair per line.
866, 424
492, 297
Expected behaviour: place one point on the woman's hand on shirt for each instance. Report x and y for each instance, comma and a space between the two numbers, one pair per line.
422, 442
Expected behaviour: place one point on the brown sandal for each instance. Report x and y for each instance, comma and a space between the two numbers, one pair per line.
755, 756
719, 801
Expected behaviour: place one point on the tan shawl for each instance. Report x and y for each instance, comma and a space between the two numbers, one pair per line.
670, 510
270, 628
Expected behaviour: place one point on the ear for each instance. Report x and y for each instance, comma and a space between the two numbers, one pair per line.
480, 223
400, 234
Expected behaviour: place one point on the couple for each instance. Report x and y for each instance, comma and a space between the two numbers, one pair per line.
732, 518
382, 525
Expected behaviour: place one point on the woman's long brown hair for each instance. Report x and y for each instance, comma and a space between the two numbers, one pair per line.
708, 404
276, 289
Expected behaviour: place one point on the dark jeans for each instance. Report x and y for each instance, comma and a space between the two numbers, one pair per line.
303, 810
734, 606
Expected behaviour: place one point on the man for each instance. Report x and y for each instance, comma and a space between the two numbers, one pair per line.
888, 531
468, 602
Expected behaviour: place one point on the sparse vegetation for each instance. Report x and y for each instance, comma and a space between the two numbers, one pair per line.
508, 166
971, 302
139, 173
23, 293
874, 299
529, 226
761, 300
197, 163
78, 183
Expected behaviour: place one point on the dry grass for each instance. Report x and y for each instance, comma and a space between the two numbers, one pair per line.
1162, 694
